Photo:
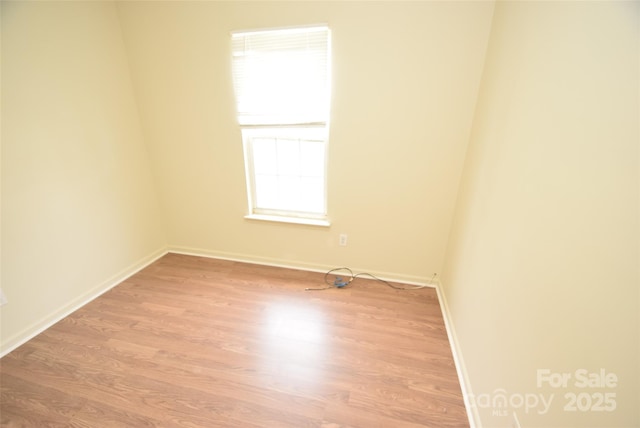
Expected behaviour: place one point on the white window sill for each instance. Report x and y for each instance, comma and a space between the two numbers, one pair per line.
293, 220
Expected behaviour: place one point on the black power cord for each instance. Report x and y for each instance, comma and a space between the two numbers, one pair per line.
340, 282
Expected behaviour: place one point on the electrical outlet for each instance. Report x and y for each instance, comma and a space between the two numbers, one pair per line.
343, 240
3, 298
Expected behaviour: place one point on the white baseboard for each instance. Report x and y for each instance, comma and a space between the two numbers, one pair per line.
463, 376
38, 327
290, 264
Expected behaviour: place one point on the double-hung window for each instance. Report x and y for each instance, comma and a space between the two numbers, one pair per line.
282, 85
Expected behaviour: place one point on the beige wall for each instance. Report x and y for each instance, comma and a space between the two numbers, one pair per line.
78, 204
542, 267
406, 76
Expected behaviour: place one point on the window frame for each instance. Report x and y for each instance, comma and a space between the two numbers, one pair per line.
289, 126
281, 215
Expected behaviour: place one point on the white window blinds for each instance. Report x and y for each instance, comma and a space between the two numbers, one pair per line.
281, 77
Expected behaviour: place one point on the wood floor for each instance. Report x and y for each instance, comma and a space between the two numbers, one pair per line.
197, 342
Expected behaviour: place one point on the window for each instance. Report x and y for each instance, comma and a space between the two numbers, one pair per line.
282, 85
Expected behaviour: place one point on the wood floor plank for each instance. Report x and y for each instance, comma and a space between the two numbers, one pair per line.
200, 342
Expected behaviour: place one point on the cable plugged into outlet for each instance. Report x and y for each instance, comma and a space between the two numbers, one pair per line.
434, 279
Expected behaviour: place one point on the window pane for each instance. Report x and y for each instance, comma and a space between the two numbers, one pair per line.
290, 191
288, 169
312, 198
264, 156
288, 157
312, 158
267, 191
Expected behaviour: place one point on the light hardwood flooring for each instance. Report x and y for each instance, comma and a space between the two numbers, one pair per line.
198, 342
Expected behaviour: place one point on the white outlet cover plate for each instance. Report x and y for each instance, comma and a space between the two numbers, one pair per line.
3, 298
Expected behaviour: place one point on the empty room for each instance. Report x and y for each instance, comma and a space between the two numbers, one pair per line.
320, 214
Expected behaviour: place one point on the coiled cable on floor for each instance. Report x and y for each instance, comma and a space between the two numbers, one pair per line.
349, 276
